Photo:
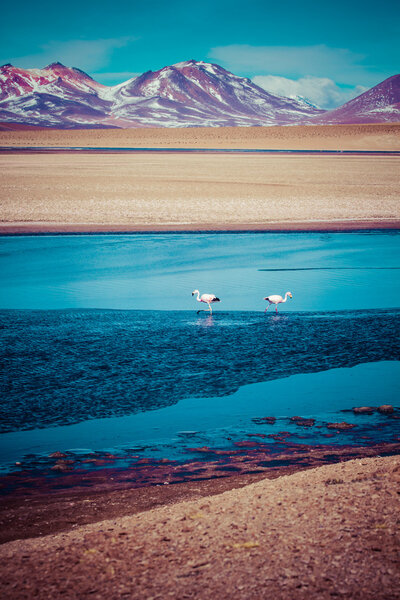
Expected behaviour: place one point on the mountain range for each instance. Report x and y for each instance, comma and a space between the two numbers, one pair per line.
187, 94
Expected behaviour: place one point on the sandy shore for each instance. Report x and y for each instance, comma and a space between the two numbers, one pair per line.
141, 192
327, 532
321, 137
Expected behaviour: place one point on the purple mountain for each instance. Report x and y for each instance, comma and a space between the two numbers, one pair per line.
201, 94
187, 94
380, 104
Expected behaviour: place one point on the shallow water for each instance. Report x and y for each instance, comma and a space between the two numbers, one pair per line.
63, 367
324, 271
164, 380
221, 421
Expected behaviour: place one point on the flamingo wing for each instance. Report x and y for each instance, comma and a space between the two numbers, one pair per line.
275, 299
209, 298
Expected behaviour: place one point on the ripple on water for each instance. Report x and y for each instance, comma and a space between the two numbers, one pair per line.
63, 367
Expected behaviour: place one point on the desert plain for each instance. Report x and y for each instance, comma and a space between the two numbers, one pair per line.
330, 532
43, 188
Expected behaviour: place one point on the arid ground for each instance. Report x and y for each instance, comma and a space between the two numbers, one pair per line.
321, 137
150, 191
325, 533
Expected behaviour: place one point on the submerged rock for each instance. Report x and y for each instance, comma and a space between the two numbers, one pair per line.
386, 409
261, 420
364, 410
343, 426
63, 465
303, 422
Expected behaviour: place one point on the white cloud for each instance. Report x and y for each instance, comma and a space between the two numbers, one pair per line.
87, 55
319, 90
339, 64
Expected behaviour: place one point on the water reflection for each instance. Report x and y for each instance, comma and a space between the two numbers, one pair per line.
205, 322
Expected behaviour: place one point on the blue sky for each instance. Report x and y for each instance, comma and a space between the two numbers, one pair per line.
327, 51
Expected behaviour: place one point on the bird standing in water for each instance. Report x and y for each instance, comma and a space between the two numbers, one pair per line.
275, 299
206, 298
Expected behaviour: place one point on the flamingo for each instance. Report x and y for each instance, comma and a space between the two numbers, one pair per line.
207, 298
276, 299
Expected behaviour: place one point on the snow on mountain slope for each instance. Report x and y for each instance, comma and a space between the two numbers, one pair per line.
187, 94
18, 82
380, 104
196, 93
55, 96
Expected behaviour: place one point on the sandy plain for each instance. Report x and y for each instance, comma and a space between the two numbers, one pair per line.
323, 533
311, 137
150, 191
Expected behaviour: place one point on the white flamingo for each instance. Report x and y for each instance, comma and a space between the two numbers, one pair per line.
206, 298
276, 299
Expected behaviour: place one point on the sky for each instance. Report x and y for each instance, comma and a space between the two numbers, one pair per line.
327, 52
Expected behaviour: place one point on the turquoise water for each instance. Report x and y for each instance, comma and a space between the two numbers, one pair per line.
220, 421
324, 271
101, 347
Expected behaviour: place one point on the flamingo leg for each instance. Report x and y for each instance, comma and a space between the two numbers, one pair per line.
209, 306
276, 309
267, 308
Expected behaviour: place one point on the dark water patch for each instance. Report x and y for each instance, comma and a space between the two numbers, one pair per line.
52, 362
334, 269
135, 150
274, 463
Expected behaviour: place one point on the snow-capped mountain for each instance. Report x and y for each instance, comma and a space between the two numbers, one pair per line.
380, 104
19, 82
202, 94
55, 96
187, 94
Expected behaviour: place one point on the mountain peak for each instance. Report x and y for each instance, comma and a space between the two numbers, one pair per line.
55, 65
379, 104
191, 93
197, 63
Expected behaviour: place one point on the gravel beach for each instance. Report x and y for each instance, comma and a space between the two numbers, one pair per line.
327, 532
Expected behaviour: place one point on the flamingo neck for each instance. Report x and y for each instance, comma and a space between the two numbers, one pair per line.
198, 296
286, 295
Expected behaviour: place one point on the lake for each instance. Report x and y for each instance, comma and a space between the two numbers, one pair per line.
102, 349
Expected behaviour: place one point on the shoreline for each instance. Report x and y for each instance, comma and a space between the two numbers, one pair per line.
268, 536
71, 498
20, 229
13, 150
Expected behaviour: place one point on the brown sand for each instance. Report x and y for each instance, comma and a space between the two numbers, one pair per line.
320, 137
141, 192
109, 192
328, 532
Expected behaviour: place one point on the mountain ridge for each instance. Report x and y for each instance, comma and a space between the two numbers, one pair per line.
187, 94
